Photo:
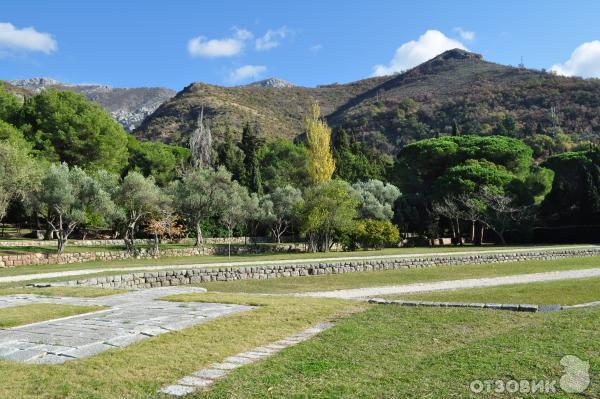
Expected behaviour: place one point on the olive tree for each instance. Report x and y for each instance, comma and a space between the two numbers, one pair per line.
279, 209
139, 198
19, 175
235, 212
201, 195
376, 199
69, 198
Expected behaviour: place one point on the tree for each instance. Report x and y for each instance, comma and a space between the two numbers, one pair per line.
356, 161
280, 209
66, 127
329, 209
429, 170
250, 145
455, 128
450, 208
162, 161
255, 180
164, 224
376, 199
318, 135
283, 163
69, 197
231, 156
235, 209
19, 174
201, 195
9, 105
499, 212
575, 194
201, 143
139, 198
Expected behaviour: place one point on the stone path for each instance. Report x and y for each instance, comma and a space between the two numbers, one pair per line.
70, 273
132, 317
206, 377
362, 293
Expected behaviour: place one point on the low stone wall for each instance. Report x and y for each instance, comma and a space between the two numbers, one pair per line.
143, 241
204, 274
80, 257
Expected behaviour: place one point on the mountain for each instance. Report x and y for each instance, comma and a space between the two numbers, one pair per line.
272, 82
19, 92
279, 111
455, 88
481, 96
129, 106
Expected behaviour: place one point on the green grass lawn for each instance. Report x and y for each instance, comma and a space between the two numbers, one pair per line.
25, 314
139, 370
59, 291
397, 277
565, 292
398, 352
184, 260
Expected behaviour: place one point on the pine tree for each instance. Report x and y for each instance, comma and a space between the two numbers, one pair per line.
320, 159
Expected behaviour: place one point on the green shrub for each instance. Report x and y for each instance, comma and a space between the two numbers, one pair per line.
371, 233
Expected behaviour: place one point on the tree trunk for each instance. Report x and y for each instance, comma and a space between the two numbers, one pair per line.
229, 243
130, 239
500, 235
472, 231
60, 243
479, 233
199, 239
48, 232
155, 247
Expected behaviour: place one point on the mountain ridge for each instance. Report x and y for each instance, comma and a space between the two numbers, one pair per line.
128, 106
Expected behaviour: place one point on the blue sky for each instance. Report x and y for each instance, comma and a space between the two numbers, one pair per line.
158, 43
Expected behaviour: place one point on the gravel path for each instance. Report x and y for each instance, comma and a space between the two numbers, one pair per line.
70, 273
361, 293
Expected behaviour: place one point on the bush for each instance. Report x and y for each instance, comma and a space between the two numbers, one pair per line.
370, 233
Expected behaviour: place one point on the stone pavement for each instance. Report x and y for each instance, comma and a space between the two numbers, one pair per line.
204, 378
362, 293
131, 317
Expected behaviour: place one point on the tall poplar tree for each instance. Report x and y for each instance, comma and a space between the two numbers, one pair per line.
320, 159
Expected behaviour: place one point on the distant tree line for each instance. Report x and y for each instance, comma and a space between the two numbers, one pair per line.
66, 167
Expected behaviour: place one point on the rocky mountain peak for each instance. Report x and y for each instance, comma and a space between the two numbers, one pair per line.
128, 106
457, 54
272, 82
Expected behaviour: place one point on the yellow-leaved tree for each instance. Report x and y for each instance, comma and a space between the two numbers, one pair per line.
320, 160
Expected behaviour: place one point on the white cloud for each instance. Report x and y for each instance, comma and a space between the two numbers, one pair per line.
410, 54
584, 62
271, 39
227, 47
246, 72
316, 48
466, 35
26, 39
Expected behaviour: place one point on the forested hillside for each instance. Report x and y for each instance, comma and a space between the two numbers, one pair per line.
456, 90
